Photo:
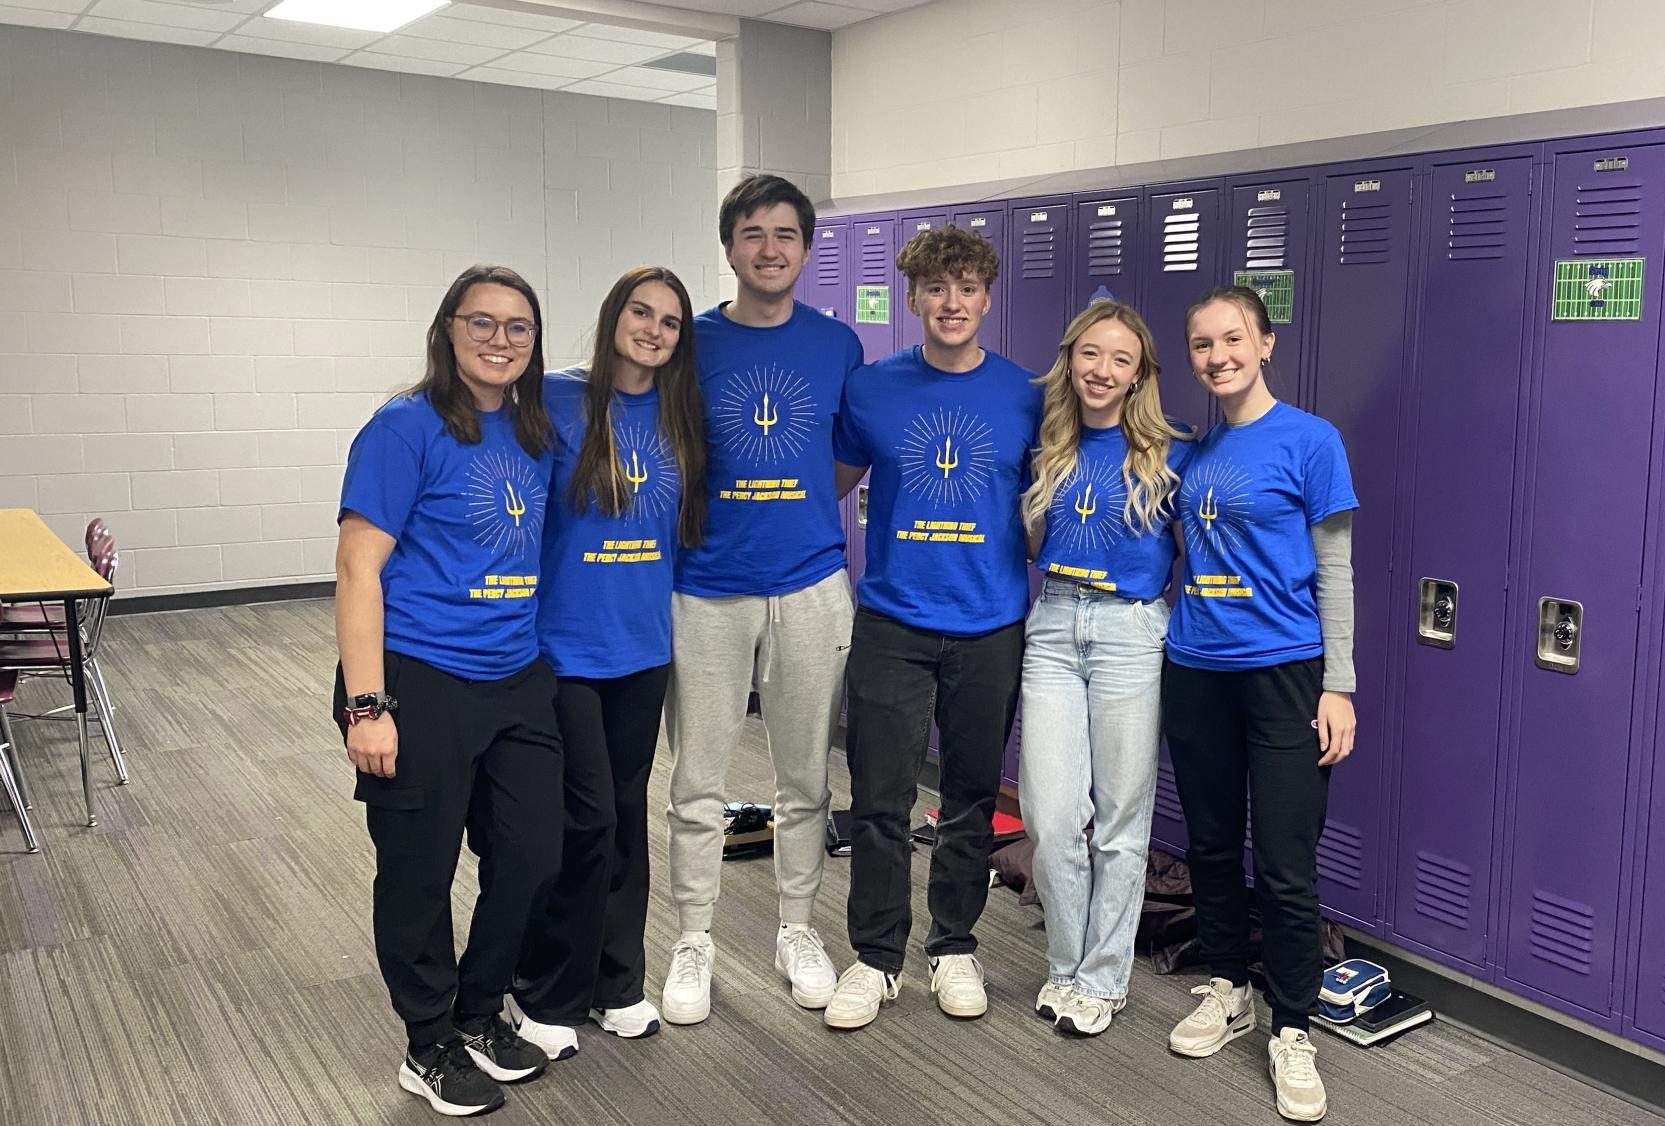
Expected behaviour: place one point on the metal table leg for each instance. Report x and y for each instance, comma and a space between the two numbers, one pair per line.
78, 680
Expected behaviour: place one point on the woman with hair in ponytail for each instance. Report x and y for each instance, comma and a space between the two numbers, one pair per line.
628, 492
1099, 518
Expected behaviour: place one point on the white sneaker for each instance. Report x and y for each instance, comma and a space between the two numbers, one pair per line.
1050, 999
800, 955
1086, 1015
1224, 1015
557, 1040
687, 996
861, 990
957, 980
1293, 1060
631, 1022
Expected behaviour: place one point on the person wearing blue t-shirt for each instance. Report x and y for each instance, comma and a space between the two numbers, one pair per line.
627, 493
947, 429
765, 600
446, 708
1100, 517
1256, 691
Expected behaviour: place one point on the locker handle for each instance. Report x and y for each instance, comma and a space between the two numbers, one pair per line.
861, 506
1560, 634
1436, 623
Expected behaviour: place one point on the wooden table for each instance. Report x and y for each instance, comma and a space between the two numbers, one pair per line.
36, 566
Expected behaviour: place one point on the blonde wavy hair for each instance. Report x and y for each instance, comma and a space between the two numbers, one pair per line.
1150, 483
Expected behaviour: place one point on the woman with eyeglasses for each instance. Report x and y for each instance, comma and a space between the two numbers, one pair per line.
441, 695
628, 492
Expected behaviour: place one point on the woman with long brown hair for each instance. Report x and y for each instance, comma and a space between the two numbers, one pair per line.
1099, 517
629, 492
441, 695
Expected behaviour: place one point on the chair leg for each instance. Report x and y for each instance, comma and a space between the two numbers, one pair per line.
98, 679
101, 701
10, 784
10, 742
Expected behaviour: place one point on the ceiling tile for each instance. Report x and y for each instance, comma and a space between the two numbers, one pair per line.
599, 50
601, 88
152, 32
743, 8
317, 35
409, 46
703, 47
74, 7
664, 80
506, 18
32, 17
464, 30
632, 35
401, 63
513, 78
168, 15
551, 66
693, 101
827, 17
311, 52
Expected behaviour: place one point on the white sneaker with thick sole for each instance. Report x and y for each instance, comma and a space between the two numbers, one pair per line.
631, 1022
1292, 1058
1086, 1015
1224, 1015
1051, 998
557, 1040
957, 981
687, 996
802, 958
861, 990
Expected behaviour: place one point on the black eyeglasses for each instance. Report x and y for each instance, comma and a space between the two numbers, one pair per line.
481, 328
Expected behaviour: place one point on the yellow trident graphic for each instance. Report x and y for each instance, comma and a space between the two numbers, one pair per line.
947, 459
764, 417
1209, 510
516, 504
637, 476
1085, 505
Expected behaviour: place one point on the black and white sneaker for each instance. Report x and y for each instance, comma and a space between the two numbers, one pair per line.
445, 1075
499, 1051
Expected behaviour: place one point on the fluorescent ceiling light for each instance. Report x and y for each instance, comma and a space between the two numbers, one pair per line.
359, 15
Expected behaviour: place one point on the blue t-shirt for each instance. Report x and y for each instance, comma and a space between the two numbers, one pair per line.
772, 523
950, 455
605, 607
1088, 539
460, 585
1250, 497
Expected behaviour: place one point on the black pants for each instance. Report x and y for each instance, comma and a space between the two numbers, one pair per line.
1246, 740
484, 756
584, 942
896, 676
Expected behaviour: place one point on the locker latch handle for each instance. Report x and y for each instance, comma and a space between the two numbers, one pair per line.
861, 506
1436, 622
1560, 634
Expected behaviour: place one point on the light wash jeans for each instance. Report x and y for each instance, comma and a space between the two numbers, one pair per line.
1092, 672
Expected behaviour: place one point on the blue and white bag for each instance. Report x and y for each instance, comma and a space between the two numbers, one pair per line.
1351, 989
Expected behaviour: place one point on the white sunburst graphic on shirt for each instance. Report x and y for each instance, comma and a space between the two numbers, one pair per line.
505, 501
650, 469
1215, 505
764, 414
947, 456
1086, 506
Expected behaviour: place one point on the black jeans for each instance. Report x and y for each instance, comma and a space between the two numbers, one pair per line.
896, 676
584, 942
484, 756
1239, 740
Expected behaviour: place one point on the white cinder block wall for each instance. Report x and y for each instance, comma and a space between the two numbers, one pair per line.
1000, 90
214, 266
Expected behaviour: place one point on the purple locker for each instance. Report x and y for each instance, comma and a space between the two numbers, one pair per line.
1037, 279
825, 282
856, 541
1586, 507
1648, 1006
1183, 256
989, 221
910, 332
877, 293
1475, 299
1360, 367
1104, 257
1271, 235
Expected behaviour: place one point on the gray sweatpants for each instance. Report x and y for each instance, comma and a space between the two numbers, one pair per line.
798, 643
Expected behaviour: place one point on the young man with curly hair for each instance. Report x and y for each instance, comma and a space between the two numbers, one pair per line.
946, 430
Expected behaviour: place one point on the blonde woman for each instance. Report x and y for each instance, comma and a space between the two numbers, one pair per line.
1098, 517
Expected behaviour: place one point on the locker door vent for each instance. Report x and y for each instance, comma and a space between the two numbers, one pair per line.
1341, 855
1478, 229
1366, 233
1181, 239
1563, 932
1040, 253
1167, 794
1267, 238
1443, 887
1608, 219
875, 262
827, 260
1104, 248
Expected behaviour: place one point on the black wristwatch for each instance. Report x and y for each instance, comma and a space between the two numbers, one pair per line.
371, 705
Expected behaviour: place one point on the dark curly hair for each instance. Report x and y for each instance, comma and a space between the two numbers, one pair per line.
951, 251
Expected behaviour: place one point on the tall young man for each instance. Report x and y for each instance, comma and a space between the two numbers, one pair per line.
766, 599
947, 429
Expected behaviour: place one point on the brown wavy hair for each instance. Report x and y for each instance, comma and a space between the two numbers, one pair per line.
949, 250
